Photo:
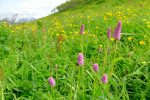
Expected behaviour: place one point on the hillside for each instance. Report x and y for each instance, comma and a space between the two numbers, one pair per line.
78, 53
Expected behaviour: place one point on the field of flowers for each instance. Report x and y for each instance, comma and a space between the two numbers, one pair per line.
93, 52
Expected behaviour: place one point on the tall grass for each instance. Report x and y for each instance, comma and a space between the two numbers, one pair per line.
30, 53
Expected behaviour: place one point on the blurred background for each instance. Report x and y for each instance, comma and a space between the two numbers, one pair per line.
24, 10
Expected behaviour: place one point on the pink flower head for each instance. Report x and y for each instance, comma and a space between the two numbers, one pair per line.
82, 29
105, 78
109, 33
51, 81
80, 59
117, 32
95, 67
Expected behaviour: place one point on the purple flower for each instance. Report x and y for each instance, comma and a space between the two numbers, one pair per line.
95, 67
105, 78
51, 81
80, 59
117, 32
109, 33
82, 29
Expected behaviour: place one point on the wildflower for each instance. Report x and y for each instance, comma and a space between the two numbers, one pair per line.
95, 67
144, 19
105, 18
117, 32
12, 31
5, 22
128, 9
109, 33
80, 59
94, 35
143, 62
141, 42
105, 78
57, 34
127, 22
89, 17
100, 45
62, 31
130, 38
82, 29
51, 81
70, 25
112, 39
109, 14
148, 22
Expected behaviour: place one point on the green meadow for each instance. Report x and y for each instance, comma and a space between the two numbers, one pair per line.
32, 52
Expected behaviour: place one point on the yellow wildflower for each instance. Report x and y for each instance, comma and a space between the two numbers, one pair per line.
144, 19
89, 17
70, 24
93, 35
109, 14
5, 22
112, 39
57, 34
62, 31
128, 9
141, 42
148, 22
105, 18
143, 62
100, 45
130, 38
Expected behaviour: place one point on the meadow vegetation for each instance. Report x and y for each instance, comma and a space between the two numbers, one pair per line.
51, 59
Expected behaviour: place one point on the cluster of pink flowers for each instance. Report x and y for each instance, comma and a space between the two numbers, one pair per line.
80, 61
117, 31
51, 81
82, 29
95, 67
109, 33
105, 78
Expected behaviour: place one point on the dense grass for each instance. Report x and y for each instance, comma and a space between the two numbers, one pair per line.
32, 52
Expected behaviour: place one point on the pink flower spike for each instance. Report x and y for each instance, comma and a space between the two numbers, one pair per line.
95, 67
80, 59
105, 78
117, 32
82, 29
109, 33
51, 81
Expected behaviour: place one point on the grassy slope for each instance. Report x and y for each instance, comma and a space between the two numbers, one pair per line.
32, 52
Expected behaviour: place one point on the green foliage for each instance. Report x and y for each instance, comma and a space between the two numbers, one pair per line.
32, 52
4, 32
